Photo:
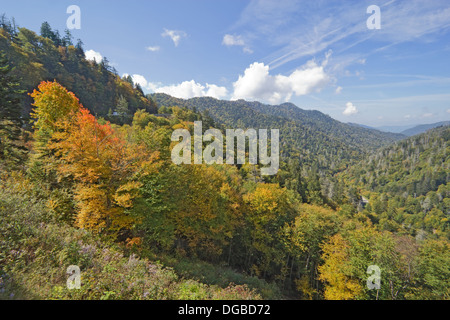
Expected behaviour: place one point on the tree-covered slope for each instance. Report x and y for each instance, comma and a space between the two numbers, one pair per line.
311, 136
36, 249
415, 165
49, 57
407, 185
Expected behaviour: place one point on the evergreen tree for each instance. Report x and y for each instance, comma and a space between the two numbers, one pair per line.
46, 30
8, 25
139, 89
79, 47
10, 110
122, 108
67, 40
128, 79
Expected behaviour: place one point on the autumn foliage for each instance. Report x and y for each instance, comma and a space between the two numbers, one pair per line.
91, 155
119, 182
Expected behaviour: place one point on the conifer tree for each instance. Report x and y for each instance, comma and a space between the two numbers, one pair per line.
10, 111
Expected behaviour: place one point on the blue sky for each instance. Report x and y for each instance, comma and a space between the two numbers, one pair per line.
316, 54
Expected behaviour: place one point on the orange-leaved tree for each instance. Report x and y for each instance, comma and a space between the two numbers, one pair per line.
93, 156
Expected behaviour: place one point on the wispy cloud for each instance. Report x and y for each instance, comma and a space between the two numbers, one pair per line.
230, 40
303, 28
236, 40
414, 80
153, 48
175, 35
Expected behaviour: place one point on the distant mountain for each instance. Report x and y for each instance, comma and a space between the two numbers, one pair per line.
311, 136
407, 131
394, 129
423, 128
367, 127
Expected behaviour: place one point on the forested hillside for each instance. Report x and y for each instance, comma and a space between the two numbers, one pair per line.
50, 56
76, 189
310, 136
407, 184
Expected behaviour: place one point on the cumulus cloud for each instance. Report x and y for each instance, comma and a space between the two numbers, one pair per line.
153, 49
258, 84
184, 90
231, 40
350, 109
174, 35
93, 56
191, 89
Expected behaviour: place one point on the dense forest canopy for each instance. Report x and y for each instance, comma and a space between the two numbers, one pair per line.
91, 183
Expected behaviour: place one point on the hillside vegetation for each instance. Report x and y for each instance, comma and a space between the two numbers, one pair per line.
310, 136
77, 189
407, 184
48, 56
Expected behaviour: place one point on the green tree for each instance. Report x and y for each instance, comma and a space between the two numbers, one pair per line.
122, 107
10, 112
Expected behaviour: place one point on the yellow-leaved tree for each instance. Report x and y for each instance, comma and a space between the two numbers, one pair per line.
337, 271
98, 161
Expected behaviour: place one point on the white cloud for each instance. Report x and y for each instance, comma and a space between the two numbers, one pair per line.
93, 56
140, 79
350, 109
191, 89
216, 91
306, 28
174, 35
153, 49
338, 90
184, 90
258, 84
231, 40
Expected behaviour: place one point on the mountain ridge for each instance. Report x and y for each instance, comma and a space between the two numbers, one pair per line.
312, 137
407, 131
421, 128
